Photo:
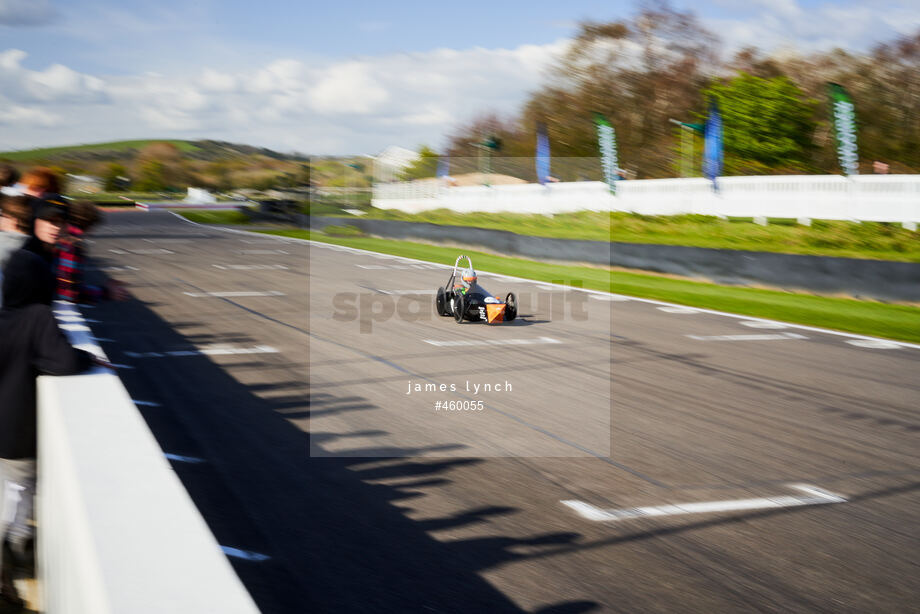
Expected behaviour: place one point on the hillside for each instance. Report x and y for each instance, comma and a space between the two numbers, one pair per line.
120, 150
149, 165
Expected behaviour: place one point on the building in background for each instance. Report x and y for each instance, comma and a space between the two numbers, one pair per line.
390, 162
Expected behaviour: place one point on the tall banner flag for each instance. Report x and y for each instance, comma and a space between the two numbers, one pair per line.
607, 143
712, 144
443, 166
542, 154
845, 128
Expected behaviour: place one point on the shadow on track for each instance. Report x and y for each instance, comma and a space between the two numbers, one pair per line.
336, 540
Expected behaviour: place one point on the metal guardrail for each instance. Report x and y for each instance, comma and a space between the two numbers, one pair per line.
117, 532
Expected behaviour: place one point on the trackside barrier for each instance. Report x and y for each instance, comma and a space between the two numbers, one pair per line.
868, 198
117, 532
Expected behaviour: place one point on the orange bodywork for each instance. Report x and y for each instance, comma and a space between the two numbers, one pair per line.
495, 313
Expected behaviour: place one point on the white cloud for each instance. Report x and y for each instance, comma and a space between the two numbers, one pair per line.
318, 106
57, 83
26, 12
20, 116
786, 24
348, 88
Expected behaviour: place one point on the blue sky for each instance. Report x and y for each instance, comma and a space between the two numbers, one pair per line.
332, 77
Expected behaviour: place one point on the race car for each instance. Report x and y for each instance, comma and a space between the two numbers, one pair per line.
464, 299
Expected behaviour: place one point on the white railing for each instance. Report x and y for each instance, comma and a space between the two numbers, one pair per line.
117, 532
880, 198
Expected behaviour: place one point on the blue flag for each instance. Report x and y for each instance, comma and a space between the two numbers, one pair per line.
712, 144
542, 154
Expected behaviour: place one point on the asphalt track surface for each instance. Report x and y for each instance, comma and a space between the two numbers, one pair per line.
283, 404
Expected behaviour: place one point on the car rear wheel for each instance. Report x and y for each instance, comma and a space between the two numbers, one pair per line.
511, 306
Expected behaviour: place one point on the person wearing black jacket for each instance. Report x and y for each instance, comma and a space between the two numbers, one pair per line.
30, 344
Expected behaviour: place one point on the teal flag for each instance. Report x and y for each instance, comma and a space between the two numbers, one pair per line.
845, 128
607, 143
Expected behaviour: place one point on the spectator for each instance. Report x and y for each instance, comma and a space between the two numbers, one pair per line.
32, 344
49, 222
41, 182
71, 257
9, 177
15, 221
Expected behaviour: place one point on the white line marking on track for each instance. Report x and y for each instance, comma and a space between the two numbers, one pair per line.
254, 252
763, 337
112, 269
613, 298
815, 496
251, 267
428, 291
466, 342
244, 554
678, 309
234, 294
213, 350
763, 324
142, 252
875, 344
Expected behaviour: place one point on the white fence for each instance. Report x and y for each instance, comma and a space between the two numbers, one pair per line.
117, 532
878, 198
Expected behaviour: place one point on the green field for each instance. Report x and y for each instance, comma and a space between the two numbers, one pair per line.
47, 152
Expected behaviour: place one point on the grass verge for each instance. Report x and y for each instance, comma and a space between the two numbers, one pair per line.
899, 322
215, 217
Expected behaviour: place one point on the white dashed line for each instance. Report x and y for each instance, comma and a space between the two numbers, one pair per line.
467, 342
763, 324
233, 294
678, 309
613, 298
251, 267
257, 252
815, 496
142, 252
214, 350
764, 337
875, 344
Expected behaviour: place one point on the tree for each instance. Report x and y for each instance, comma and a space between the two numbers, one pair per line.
152, 177
638, 73
768, 124
426, 165
161, 164
116, 178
